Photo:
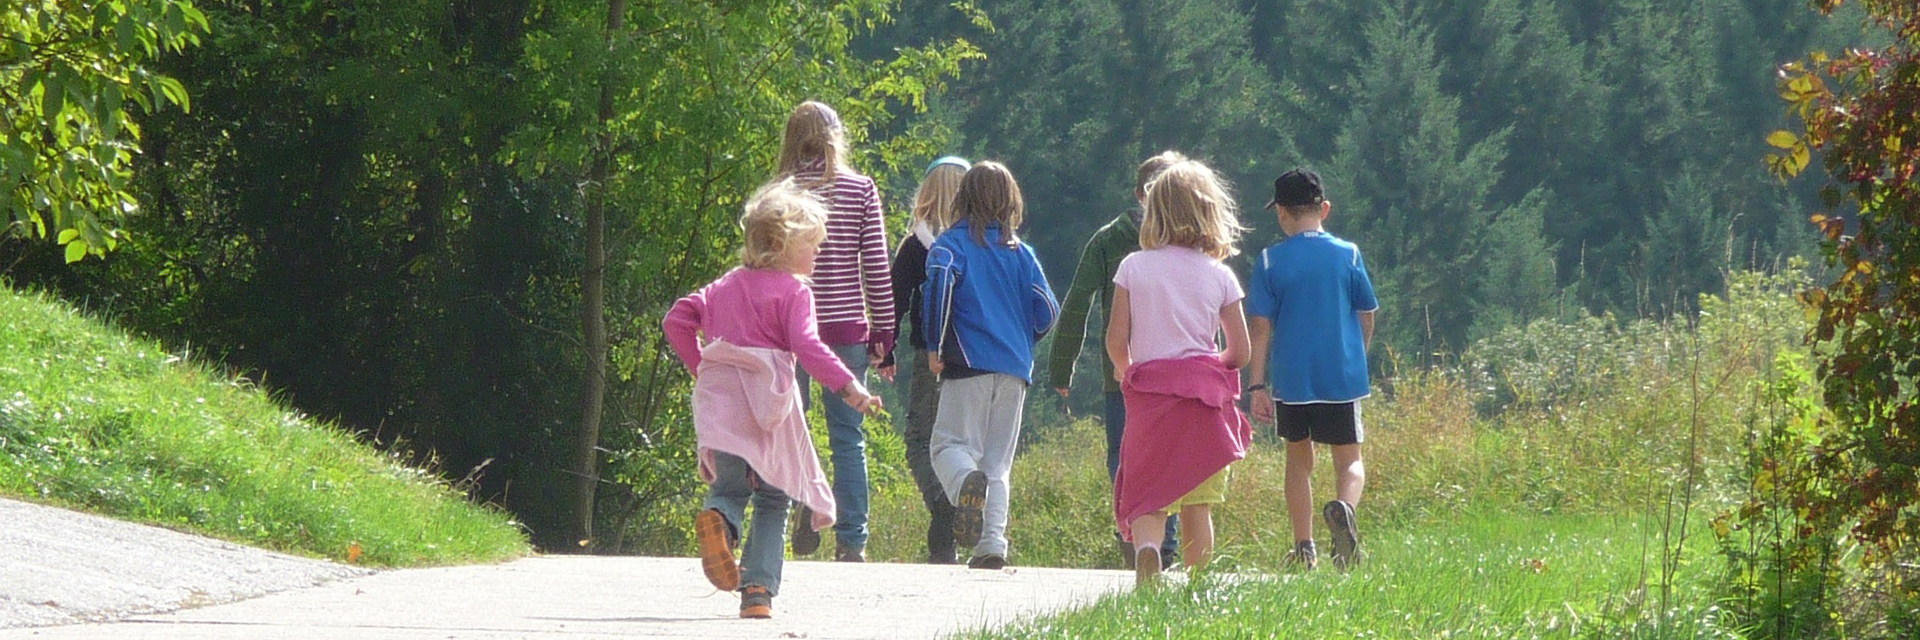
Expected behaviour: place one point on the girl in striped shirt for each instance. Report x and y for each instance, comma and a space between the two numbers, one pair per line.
853, 299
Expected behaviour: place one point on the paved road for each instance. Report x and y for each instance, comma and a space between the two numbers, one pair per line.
563, 597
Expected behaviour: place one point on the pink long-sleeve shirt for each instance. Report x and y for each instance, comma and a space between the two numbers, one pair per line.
764, 308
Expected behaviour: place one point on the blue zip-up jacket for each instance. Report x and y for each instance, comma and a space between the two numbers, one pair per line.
986, 306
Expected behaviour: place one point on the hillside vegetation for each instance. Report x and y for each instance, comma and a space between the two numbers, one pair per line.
97, 420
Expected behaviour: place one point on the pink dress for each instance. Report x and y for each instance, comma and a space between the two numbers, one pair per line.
740, 336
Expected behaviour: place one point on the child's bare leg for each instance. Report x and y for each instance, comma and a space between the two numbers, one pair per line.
1149, 530
1300, 489
1350, 474
1196, 526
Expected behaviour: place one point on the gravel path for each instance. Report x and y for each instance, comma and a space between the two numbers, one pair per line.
154, 583
61, 567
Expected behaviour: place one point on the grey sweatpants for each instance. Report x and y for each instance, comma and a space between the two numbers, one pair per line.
976, 428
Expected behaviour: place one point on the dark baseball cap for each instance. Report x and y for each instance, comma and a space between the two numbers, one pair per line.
1295, 188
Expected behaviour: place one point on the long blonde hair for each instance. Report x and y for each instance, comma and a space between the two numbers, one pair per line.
1151, 168
933, 202
779, 215
989, 195
813, 134
1191, 206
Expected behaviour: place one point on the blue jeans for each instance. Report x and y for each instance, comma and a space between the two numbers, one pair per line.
734, 484
1116, 416
847, 439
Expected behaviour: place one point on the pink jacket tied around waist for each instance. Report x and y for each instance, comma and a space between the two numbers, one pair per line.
746, 402
1182, 427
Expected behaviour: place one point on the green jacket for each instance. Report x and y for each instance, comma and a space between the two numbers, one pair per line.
1098, 262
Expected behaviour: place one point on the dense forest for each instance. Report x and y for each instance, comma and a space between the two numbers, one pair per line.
412, 217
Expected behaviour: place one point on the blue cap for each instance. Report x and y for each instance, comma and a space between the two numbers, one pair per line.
952, 160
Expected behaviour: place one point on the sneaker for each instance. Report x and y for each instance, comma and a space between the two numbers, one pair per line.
1169, 559
1146, 566
990, 561
967, 512
716, 553
849, 554
1303, 555
805, 539
1346, 538
756, 602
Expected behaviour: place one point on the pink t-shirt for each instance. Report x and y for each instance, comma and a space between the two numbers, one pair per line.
766, 308
1176, 296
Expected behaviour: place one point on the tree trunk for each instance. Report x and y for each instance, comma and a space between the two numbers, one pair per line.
593, 324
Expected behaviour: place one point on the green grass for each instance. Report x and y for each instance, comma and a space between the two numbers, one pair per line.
93, 419
1478, 576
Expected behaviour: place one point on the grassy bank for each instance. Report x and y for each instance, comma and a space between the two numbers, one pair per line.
1476, 576
96, 420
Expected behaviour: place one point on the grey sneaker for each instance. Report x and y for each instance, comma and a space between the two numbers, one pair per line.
990, 561
1303, 556
1346, 537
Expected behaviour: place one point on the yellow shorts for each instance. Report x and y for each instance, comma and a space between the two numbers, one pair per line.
1212, 491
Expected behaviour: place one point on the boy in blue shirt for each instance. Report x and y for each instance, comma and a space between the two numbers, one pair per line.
1313, 286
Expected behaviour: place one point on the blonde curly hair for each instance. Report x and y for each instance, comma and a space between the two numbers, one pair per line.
779, 215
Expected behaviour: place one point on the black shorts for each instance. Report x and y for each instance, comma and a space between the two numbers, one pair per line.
1336, 423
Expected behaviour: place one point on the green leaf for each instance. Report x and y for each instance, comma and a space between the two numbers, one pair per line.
68, 235
76, 250
53, 97
1782, 139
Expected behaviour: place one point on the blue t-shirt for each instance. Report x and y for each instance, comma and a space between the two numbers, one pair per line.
1312, 286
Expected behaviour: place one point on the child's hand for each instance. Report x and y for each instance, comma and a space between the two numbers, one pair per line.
1261, 407
935, 364
857, 397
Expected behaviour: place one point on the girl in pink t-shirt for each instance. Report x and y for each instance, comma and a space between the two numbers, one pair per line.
741, 336
1183, 428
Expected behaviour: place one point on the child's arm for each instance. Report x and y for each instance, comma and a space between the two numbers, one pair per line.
942, 271
876, 278
1261, 402
1233, 321
1119, 331
682, 327
1045, 308
1073, 318
1366, 329
856, 396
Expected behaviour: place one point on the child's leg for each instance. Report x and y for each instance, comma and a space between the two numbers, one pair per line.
1350, 474
922, 404
762, 558
728, 493
1196, 524
1300, 489
1000, 436
1148, 530
954, 450
847, 442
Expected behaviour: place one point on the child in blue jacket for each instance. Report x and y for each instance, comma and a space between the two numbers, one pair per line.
987, 304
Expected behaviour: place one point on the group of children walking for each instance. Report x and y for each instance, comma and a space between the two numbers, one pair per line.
814, 298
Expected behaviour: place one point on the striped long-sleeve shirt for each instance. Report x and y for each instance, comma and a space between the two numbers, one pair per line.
852, 289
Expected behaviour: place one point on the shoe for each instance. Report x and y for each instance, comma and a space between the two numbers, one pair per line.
1146, 566
967, 512
1304, 556
716, 553
805, 540
1169, 559
991, 562
849, 554
1346, 538
756, 602
942, 556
